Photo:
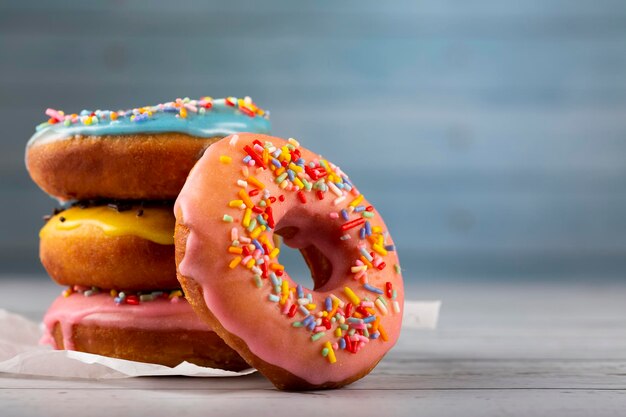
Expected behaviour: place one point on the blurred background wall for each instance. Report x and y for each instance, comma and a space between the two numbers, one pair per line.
491, 134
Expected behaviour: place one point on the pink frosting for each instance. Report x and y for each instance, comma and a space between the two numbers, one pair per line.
101, 310
230, 293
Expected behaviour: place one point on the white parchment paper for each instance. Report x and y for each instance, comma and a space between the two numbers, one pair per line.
20, 352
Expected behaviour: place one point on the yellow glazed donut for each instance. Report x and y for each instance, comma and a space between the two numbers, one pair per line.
243, 191
128, 248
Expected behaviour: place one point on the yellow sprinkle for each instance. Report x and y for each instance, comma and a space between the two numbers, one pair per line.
337, 300
258, 184
113, 293
183, 112
352, 296
67, 292
266, 156
286, 153
235, 250
297, 181
245, 198
234, 262
250, 263
311, 306
377, 229
224, 159
338, 332
356, 201
295, 168
246, 217
274, 253
331, 353
235, 203
284, 184
176, 293
285, 288
378, 248
256, 232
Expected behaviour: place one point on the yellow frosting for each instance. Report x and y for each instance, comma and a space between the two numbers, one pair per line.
155, 224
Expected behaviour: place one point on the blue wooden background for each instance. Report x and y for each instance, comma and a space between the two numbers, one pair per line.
491, 134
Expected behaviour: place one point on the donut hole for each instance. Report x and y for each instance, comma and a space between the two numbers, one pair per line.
296, 248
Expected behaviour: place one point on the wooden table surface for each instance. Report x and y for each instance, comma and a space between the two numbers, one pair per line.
533, 349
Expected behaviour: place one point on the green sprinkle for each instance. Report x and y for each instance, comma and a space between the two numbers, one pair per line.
367, 214
252, 225
397, 268
146, 297
343, 327
317, 336
394, 294
325, 352
257, 281
227, 218
281, 178
382, 300
296, 324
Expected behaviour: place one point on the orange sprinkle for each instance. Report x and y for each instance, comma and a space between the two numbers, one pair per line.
277, 267
258, 184
183, 112
383, 333
245, 198
234, 262
235, 250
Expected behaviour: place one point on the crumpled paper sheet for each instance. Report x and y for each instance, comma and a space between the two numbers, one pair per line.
20, 352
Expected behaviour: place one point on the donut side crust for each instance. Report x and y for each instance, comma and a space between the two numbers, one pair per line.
142, 166
87, 256
163, 347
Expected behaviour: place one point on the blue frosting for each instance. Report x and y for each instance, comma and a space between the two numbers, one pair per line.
220, 120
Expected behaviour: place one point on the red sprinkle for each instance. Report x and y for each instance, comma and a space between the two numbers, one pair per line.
272, 199
301, 197
246, 111
254, 155
315, 173
381, 266
270, 217
388, 289
326, 323
348, 310
319, 194
369, 208
292, 310
132, 300
257, 209
363, 311
245, 251
352, 223
281, 198
279, 273
253, 192
265, 273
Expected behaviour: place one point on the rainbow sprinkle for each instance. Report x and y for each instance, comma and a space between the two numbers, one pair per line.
343, 322
126, 297
181, 107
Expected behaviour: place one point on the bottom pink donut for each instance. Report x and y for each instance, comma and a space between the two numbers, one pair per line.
163, 331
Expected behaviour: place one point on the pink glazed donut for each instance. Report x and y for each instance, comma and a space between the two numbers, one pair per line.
246, 189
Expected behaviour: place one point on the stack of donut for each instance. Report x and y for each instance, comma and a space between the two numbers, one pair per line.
117, 174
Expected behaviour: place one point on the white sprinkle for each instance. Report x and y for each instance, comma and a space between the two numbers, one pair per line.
233, 140
339, 200
242, 183
396, 307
